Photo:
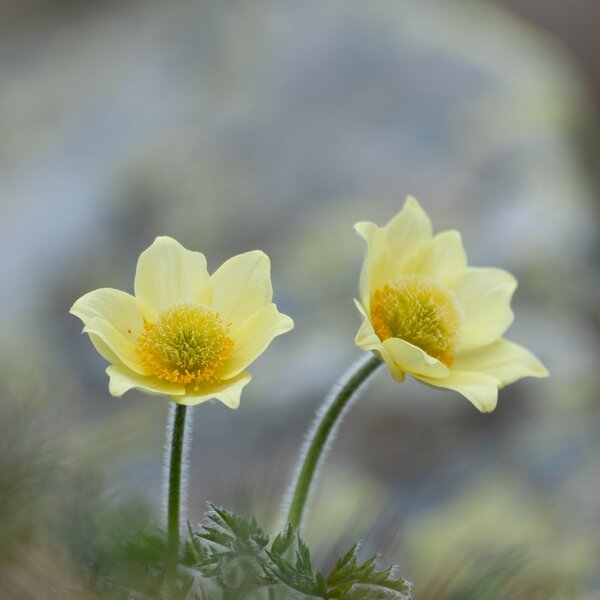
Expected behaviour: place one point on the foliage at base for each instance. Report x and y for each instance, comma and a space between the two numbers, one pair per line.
231, 558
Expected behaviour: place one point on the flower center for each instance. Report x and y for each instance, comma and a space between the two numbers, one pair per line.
186, 344
422, 311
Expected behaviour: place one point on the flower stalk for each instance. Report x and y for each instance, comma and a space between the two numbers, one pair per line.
176, 450
322, 432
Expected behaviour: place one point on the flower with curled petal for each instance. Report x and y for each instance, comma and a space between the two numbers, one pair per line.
428, 314
185, 334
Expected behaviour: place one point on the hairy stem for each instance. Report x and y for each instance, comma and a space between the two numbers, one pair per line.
322, 432
174, 494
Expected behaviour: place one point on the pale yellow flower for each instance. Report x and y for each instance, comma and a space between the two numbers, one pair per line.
185, 334
428, 314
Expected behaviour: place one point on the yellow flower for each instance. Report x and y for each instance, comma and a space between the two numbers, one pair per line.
428, 314
185, 333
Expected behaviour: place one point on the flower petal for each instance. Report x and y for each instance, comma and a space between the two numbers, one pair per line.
504, 360
373, 269
167, 273
242, 286
480, 389
123, 379
119, 345
251, 339
384, 354
103, 350
443, 259
485, 296
113, 320
118, 308
407, 231
413, 360
390, 247
228, 392
366, 338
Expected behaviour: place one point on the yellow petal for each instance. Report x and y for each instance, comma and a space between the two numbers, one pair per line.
375, 260
504, 360
413, 360
390, 247
480, 389
169, 274
407, 231
103, 350
485, 296
123, 379
228, 392
120, 346
241, 286
251, 339
366, 338
395, 371
122, 316
120, 309
443, 259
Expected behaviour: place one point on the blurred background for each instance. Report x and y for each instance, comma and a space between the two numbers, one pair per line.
277, 125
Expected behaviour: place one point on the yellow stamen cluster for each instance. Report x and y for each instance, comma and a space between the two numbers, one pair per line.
186, 344
422, 311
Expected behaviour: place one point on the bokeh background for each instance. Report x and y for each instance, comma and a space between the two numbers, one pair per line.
277, 124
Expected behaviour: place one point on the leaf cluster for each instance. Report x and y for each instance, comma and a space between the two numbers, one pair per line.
234, 553
231, 558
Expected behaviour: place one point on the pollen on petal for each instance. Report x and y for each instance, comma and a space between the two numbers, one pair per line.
422, 311
186, 344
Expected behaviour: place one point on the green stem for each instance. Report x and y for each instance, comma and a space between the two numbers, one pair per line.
322, 431
174, 495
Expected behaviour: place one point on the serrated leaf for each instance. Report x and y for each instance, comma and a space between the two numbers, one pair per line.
285, 541
234, 554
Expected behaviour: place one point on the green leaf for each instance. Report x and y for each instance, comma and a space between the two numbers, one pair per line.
349, 579
232, 553
285, 541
